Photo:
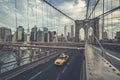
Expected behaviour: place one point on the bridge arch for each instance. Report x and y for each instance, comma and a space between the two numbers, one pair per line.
86, 24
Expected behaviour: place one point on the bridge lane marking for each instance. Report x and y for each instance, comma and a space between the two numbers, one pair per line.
35, 75
40, 73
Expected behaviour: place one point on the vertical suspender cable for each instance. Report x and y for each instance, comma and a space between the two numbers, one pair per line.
55, 18
111, 22
16, 13
50, 17
36, 12
90, 8
107, 17
43, 15
28, 13
46, 16
87, 10
103, 19
118, 15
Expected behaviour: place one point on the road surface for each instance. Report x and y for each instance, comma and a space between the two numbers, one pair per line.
49, 71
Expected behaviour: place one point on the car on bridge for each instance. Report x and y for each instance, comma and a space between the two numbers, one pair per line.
61, 60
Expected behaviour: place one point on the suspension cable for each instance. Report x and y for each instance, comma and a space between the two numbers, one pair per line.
93, 8
111, 22
47, 13
58, 10
36, 13
28, 13
103, 18
16, 13
87, 8
103, 50
43, 8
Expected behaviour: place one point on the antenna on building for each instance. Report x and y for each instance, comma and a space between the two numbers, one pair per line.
65, 31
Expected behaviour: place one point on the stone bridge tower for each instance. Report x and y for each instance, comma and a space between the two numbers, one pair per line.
86, 24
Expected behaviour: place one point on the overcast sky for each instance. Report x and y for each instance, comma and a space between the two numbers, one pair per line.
73, 8
47, 16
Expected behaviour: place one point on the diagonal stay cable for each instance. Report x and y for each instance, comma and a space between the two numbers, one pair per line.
103, 50
58, 10
93, 8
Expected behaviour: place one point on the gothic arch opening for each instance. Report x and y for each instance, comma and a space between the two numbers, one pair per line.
81, 34
90, 34
90, 31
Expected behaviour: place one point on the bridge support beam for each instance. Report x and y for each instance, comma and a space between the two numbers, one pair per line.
1, 64
18, 56
31, 55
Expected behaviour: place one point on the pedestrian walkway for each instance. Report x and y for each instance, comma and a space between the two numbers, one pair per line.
99, 68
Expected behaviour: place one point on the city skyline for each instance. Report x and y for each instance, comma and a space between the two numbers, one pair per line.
39, 16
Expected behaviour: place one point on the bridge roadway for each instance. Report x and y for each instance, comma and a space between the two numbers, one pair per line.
49, 71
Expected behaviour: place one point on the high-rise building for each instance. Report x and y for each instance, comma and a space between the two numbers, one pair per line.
14, 37
50, 36
65, 31
72, 31
68, 36
55, 39
53, 35
40, 36
105, 36
61, 38
45, 30
46, 37
118, 36
5, 34
28, 35
33, 36
46, 34
20, 34
25, 37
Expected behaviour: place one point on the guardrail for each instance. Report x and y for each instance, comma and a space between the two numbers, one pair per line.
27, 66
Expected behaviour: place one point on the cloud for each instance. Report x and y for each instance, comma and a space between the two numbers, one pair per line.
74, 9
47, 16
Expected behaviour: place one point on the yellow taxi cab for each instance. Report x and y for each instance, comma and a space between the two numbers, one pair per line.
61, 60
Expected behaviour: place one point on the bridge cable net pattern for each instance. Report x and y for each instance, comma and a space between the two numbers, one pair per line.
100, 62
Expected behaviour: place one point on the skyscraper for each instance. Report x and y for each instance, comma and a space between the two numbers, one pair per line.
72, 31
50, 36
105, 36
68, 36
33, 36
14, 37
118, 36
40, 36
46, 35
5, 34
20, 34
65, 30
